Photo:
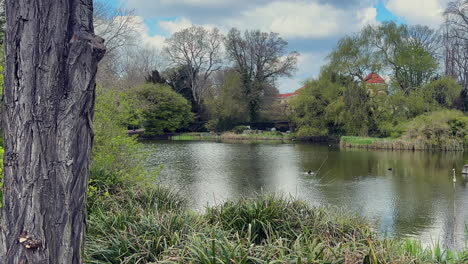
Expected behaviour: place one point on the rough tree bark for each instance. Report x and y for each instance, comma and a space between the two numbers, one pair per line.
48, 104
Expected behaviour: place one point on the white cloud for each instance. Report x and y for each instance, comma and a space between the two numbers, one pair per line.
425, 12
174, 26
303, 19
156, 41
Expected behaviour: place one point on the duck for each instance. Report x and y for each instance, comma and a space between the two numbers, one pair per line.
310, 172
454, 176
390, 169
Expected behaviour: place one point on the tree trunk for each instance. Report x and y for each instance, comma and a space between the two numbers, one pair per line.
48, 105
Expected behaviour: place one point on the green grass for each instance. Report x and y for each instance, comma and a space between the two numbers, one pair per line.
361, 140
400, 144
265, 135
154, 226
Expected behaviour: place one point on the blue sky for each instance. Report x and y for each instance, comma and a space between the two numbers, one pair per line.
312, 27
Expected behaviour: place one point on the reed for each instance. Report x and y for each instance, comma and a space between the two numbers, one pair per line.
265, 135
450, 144
154, 226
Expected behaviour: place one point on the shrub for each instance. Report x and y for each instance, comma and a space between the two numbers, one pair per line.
118, 160
162, 109
445, 129
442, 92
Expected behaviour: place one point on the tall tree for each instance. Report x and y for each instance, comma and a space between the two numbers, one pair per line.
456, 45
197, 51
260, 58
118, 26
409, 52
48, 103
354, 56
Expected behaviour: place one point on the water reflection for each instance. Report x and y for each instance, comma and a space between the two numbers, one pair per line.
401, 193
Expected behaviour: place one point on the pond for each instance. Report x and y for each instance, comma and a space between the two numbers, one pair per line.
402, 194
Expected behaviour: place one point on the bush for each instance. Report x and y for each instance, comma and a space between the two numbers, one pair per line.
162, 109
442, 92
445, 129
118, 160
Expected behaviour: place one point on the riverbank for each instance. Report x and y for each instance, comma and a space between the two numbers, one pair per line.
254, 135
399, 144
153, 225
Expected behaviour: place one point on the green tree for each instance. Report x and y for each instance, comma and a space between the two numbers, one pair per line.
259, 58
318, 110
162, 109
354, 56
228, 108
356, 109
118, 160
442, 92
409, 52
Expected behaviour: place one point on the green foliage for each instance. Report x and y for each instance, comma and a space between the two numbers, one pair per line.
442, 92
318, 109
118, 160
136, 226
229, 107
331, 106
360, 140
354, 56
153, 226
443, 129
259, 58
406, 50
162, 109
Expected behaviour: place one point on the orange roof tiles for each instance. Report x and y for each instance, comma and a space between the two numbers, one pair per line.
374, 78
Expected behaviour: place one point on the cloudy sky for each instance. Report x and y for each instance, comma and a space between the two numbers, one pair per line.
312, 27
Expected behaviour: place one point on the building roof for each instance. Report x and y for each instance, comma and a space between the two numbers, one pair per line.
286, 95
374, 78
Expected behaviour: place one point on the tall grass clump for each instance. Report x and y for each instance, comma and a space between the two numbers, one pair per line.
268, 217
154, 226
136, 226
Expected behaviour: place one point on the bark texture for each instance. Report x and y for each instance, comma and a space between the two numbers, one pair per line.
48, 104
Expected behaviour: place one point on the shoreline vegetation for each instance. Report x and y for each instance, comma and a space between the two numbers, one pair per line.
154, 225
399, 144
255, 135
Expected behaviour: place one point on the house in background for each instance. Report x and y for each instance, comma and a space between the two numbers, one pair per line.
374, 78
285, 97
376, 85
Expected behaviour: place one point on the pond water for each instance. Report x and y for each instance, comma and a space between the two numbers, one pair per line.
402, 194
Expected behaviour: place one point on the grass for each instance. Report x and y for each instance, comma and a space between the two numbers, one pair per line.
360, 140
258, 135
399, 144
154, 226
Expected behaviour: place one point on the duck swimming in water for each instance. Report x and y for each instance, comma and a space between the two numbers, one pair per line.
454, 176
